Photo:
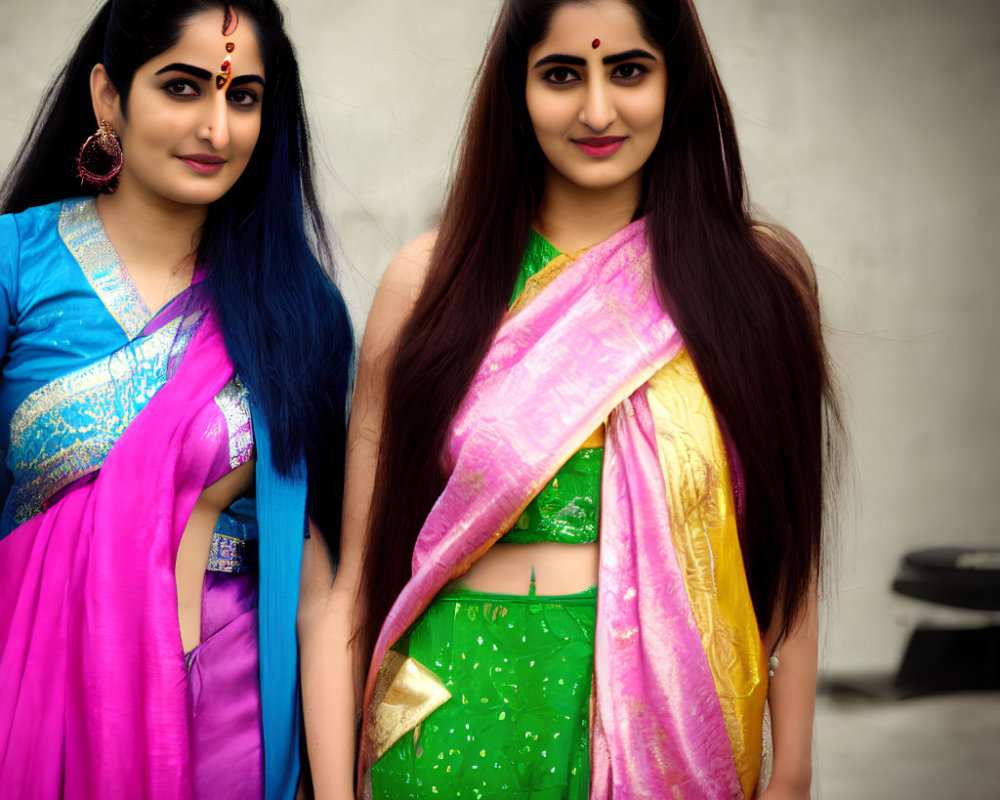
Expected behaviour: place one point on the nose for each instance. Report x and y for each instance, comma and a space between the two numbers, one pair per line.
215, 125
598, 111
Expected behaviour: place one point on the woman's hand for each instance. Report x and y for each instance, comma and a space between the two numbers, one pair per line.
331, 611
329, 673
792, 698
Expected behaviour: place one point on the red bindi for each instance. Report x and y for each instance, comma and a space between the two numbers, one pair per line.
229, 23
596, 43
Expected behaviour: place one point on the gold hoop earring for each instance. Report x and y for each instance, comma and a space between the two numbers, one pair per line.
100, 159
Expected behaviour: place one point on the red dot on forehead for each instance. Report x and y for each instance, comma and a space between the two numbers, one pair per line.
596, 43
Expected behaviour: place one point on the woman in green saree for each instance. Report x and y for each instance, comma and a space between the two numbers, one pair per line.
597, 281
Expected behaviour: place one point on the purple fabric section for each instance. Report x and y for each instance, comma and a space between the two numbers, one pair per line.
224, 692
584, 345
94, 699
658, 729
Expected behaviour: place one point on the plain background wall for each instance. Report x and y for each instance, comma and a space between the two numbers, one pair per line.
868, 128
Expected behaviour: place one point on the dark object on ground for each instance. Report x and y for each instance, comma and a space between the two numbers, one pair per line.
941, 658
951, 659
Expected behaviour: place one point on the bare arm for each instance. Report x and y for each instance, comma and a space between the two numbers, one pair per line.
792, 696
792, 693
330, 610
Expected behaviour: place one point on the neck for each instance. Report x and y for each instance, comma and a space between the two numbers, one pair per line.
158, 233
573, 217
155, 238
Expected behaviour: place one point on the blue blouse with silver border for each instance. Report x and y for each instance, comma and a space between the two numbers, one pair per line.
77, 369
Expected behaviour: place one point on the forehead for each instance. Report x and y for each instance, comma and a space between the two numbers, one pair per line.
202, 44
575, 25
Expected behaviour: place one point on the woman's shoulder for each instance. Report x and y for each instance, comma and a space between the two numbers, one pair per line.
32, 222
784, 245
410, 265
29, 242
28, 231
789, 255
397, 293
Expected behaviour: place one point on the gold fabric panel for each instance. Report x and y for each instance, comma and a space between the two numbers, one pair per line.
82, 232
596, 439
537, 282
66, 428
405, 695
703, 526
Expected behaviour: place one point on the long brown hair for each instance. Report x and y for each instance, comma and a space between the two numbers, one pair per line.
744, 303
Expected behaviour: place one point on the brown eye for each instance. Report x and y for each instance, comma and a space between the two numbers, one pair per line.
243, 97
181, 88
628, 73
560, 76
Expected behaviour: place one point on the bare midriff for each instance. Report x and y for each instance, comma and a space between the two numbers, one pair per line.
192, 555
558, 569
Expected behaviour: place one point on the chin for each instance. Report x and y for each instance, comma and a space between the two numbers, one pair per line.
199, 195
595, 177
599, 183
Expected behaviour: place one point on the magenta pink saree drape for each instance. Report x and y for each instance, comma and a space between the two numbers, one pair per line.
88, 609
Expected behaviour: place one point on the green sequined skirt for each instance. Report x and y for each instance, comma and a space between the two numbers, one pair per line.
520, 670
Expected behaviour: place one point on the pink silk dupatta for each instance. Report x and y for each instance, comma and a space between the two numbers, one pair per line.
586, 345
94, 695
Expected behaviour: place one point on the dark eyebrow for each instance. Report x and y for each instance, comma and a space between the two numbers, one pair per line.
576, 61
242, 79
204, 75
557, 58
628, 55
196, 72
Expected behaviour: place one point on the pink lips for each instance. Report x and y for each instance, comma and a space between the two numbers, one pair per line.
203, 163
600, 146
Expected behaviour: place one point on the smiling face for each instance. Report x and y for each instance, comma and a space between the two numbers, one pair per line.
185, 139
595, 92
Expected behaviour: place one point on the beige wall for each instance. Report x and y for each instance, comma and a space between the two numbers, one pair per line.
868, 128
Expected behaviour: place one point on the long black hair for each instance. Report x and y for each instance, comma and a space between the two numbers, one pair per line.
743, 299
270, 265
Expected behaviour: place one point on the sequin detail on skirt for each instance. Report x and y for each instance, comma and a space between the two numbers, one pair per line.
520, 669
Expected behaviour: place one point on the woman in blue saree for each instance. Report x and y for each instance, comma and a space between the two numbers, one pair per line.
174, 374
